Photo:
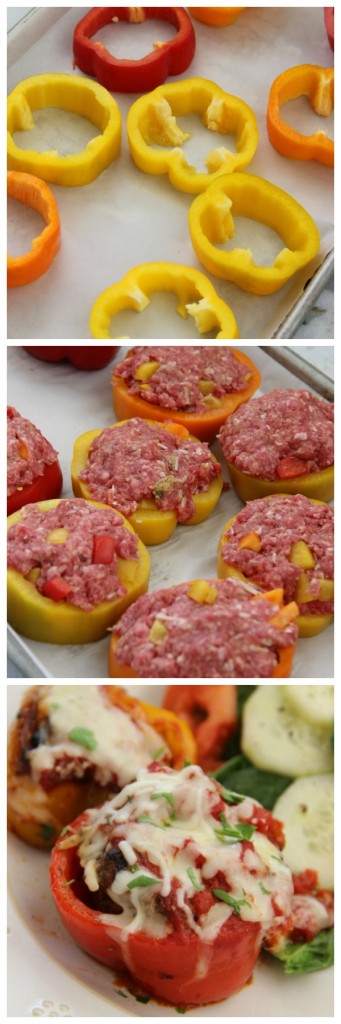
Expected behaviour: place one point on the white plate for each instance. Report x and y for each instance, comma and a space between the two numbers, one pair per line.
49, 976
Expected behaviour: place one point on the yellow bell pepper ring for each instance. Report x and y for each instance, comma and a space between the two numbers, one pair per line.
211, 224
217, 16
197, 298
59, 622
308, 624
155, 137
318, 485
152, 524
80, 96
318, 85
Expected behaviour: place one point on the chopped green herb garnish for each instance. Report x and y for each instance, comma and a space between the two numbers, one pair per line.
168, 796
119, 990
142, 882
159, 752
134, 867
279, 859
55, 707
47, 831
230, 797
239, 831
227, 898
187, 764
194, 880
142, 999
149, 821
267, 892
180, 1009
70, 882
85, 737
64, 831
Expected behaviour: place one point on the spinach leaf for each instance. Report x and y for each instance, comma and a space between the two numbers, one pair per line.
301, 958
240, 775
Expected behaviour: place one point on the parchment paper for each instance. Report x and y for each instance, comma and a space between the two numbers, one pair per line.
126, 217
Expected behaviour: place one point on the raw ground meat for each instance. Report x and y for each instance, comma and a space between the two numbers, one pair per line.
232, 638
22, 435
175, 384
29, 547
283, 423
280, 522
135, 461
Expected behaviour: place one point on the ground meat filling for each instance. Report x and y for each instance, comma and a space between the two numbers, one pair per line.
280, 522
30, 546
230, 638
262, 435
136, 461
28, 452
185, 379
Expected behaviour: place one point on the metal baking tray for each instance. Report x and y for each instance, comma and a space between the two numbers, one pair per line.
126, 217
64, 403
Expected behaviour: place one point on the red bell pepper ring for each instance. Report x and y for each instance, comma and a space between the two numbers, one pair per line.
329, 24
87, 357
169, 58
48, 485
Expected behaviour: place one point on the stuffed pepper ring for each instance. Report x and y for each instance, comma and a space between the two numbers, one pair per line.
68, 751
156, 475
195, 386
206, 629
168, 58
80, 96
305, 80
33, 470
286, 541
211, 225
32, 191
155, 137
73, 567
197, 298
282, 441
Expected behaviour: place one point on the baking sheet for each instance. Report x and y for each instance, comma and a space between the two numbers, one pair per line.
58, 980
126, 217
64, 403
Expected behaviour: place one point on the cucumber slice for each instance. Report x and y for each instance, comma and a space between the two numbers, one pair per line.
306, 809
277, 740
313, 703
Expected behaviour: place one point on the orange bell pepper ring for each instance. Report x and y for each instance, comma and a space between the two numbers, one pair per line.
305, 80
217, 16
31, 191
203, 425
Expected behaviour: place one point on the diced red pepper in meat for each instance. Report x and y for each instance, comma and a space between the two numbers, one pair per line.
56, 588
289, 467
103, 549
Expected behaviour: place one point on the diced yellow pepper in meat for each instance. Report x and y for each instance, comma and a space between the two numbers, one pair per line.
211, 402
326, 590
301, 555
206, 386
303, 593
285, 615
146, 370
202, 592
58, 536
24, 452
158, 632
33, 575
251, 541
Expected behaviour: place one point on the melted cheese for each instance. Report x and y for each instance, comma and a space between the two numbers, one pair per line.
168, 815
121, 746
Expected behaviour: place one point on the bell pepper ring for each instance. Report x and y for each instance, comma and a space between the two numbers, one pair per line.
318, 485
211, 713
328, 14
34, 192
283, 668
205, 426
197, 298
318, 85
169, 58
49, 812
152, 524
84, 357
48, 485
307, 623
217, 16
77, 95
59, 622
155, 138
211, 224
